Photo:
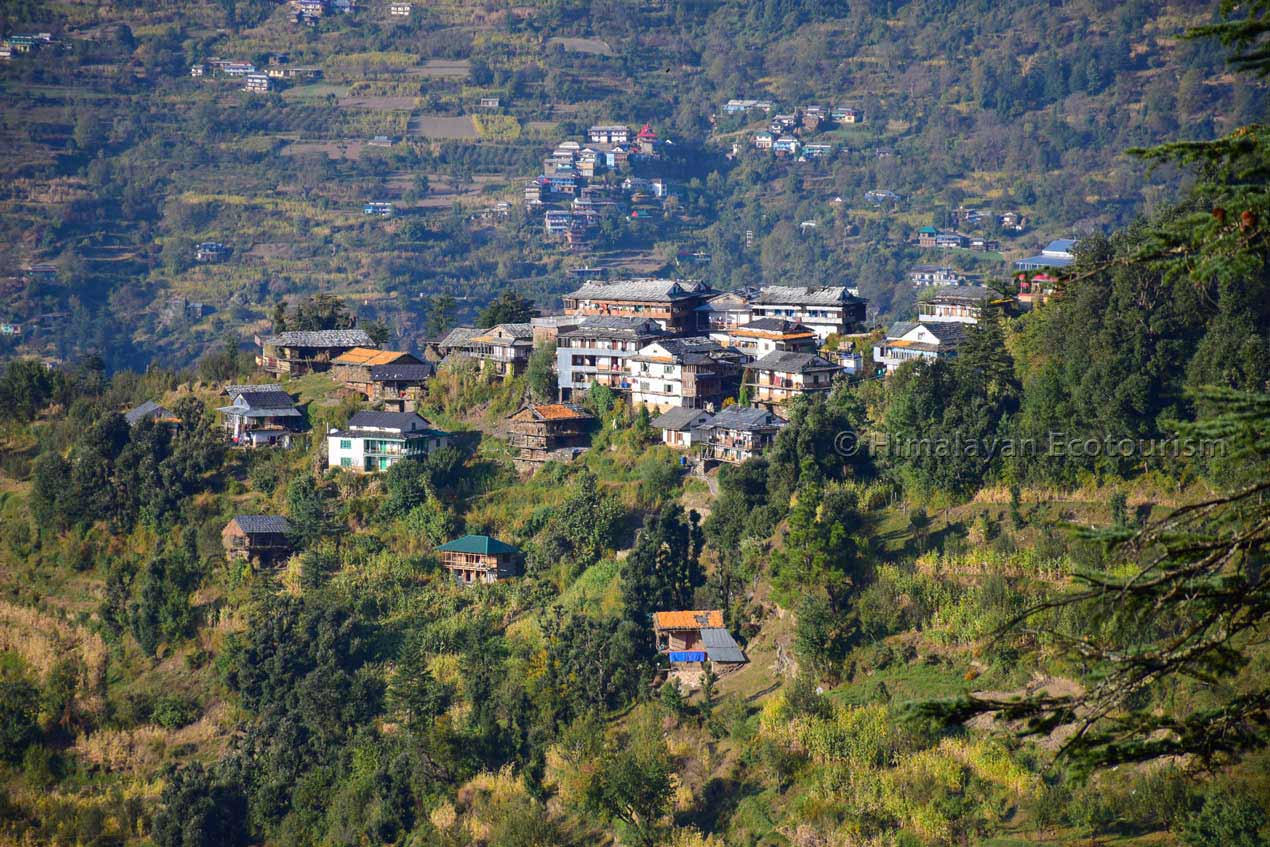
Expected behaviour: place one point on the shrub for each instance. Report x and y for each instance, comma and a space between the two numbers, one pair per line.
174, 712
19, 710
1228, 818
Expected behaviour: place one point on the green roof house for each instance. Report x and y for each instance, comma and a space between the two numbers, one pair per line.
479, 558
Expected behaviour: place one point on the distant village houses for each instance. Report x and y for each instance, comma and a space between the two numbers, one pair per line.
827, 310
923, 276
694, 373
769, 335
609, 134
672, 303
777, 378
595, 353
682, 428
501, 350
375, 441
261, 416
210, 251
688, 639
739, 433
908, 341
263, 540
1056, 255
304, 351
479, 559
963, 304
541, 432
355, 368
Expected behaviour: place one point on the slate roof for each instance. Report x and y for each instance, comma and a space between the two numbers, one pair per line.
401, 421
231, 390
402, 373
253, 524
963, 294
321, 338
949, 333
900, 328
679, 419
809, 295
546, 321
148, 409
268, 399
785, 361
615, 327
516, 331
739, 298
691, 351
458, 336
779, 325
720, 646
745, 419
478, 544
644, 290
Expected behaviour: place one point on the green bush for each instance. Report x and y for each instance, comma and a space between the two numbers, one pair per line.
174, 712
1228, 818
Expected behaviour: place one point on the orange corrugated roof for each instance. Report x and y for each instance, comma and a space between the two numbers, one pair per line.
367, 356
550, 412
556, 411
688, 620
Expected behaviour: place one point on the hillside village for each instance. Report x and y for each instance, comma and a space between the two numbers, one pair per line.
678, 424
388, 148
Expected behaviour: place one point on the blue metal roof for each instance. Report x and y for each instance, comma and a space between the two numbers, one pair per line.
687, 656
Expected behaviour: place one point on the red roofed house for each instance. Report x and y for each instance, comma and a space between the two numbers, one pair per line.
646, 141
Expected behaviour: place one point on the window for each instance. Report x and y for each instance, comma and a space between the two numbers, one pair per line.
346, 444
346, 462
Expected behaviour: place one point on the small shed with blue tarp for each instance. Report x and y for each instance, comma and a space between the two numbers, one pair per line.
693, 637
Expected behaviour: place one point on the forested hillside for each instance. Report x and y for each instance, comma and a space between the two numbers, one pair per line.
1013, 596
119, 162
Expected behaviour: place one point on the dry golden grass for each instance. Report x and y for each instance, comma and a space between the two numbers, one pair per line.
143, 750
44, 640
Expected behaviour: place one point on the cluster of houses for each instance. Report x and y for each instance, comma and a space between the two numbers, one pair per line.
972, 217
688, 639
1036, 275
581, 182
785, 135
255, 80
938, 276
932, 238
21, 44
310, 12
210, 251
940, 329
679, 349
